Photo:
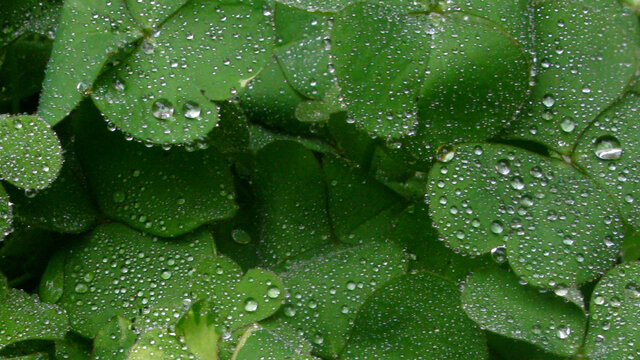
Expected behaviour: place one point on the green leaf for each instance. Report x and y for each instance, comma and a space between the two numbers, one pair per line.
558, 228
258, 295
20, 81
65, 206
24, 317
114, 340
614, 332
162, 192
512, 16
38, 356
478, 80
291, 197
198, 329
150, 14
264, 344
89, 33
608, 151
73, 347
416, 316
115, 270
52, 280
354, 198
21, 17
158, 345
4, 286
269, 99
30, 155
380, 75
163, 92
497, 301
304, 53
6, 213
24, 255
587, 55
326, 287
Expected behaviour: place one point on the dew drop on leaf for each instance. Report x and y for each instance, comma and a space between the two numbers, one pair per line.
162, 109
608, 147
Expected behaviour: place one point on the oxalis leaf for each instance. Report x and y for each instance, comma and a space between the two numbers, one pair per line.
30, 152
587, 55
162, 192
163, 92
559, 229
416, 316
115, 270
497, 301
6, 213
291, 198
89, 33
614, 332
25, 317
609, 152
326, 287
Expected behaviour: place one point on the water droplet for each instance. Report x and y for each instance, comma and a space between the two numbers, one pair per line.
250, 305
162, 109
632, 290
608, 147
563, 332
502, 166
273, 292
499, 254
83, 88
445, 153
548, 100
191, 110
567, 125
81, 288
240, 236
166, 275
289, 311
118, 85
496, 227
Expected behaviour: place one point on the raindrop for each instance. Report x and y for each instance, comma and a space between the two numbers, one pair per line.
608, 148
502, 166
445, 153
162, 109
632, 290
81, 288
250, 305
563, 332
240, 236
496, 227
273, 292
191, 110
548, 101
567, 125
118, 197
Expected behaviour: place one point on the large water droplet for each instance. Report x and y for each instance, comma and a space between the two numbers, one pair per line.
250, 305
240, 236
608, 148
548, 100
162, 109
273, 292
191, 110
632, 290
445, 153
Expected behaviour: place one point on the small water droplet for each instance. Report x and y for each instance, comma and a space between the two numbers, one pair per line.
502, 166
166, 275
240, 236
608, 147
563, 332
81, 288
